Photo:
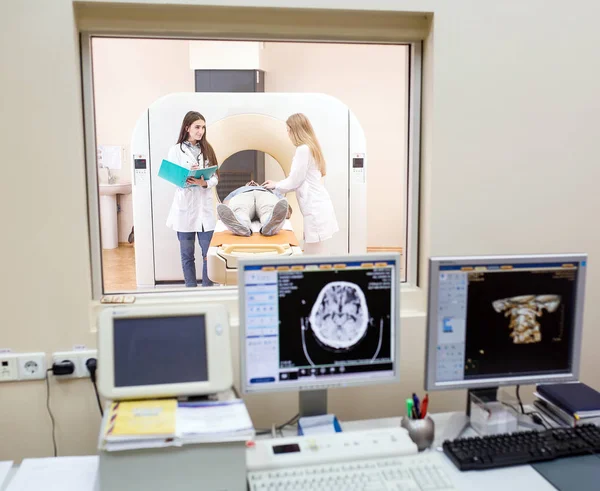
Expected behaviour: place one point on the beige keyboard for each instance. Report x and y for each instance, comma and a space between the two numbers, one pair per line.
411, 473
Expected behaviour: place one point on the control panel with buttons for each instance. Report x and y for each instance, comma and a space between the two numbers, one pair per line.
140, 166
296, 451
358, 167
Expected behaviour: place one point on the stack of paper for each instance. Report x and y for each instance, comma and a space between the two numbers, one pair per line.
214, 421
162, 423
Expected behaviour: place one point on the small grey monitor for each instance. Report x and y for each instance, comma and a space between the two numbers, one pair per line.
163, 351
504, 320
310, 323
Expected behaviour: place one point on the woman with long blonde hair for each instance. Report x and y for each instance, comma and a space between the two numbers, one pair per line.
308, 169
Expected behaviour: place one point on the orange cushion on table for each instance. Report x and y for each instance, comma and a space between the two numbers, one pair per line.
283, 237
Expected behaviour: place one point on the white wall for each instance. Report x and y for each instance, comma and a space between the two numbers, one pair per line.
510, 166
44, 255
371, 81
224, 55
129, 75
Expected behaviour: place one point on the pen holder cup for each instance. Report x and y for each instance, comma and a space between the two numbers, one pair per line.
421, 431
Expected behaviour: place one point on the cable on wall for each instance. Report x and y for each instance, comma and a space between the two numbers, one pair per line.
50, 411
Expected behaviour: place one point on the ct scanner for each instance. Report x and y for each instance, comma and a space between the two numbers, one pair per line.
237, 122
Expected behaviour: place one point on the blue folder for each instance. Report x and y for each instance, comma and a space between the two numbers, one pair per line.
176, 174
576, 398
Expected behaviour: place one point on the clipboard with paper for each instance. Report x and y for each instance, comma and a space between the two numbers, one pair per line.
177, 174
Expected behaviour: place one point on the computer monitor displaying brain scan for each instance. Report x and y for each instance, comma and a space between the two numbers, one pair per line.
313, 323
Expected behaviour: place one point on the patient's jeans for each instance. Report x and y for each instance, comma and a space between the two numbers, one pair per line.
186, 246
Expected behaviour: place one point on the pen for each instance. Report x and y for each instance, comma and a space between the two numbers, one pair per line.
409, 408
416, 402
424, 406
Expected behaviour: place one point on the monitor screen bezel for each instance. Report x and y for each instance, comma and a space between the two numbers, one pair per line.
435, 263
313, 384
218, 352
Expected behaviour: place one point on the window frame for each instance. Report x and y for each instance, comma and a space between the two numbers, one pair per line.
410, 284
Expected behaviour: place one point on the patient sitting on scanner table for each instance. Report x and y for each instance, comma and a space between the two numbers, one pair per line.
254, 202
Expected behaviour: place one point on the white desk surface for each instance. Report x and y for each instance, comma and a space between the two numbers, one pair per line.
514, 478
8, 477
447, 427
5, 471
51, 474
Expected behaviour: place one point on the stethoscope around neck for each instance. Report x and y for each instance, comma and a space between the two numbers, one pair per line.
183, 147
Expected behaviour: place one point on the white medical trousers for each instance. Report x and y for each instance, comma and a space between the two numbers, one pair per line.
316, 248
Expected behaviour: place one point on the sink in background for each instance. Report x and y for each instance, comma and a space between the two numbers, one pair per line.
113, 189
108, 212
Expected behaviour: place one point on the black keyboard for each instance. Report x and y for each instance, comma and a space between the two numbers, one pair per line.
489, 452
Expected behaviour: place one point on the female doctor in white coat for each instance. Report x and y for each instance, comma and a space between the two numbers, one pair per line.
308, 167
192, 212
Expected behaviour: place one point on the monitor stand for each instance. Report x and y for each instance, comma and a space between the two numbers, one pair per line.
459, 422
485, 394
312, 402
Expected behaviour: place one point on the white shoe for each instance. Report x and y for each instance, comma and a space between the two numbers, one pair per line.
277, 219
229, 219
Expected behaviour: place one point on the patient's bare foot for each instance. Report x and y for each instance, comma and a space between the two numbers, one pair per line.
275, 223
229, 219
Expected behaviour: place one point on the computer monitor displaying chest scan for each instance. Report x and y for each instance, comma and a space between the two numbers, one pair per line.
166, 351
312, 323
504, 320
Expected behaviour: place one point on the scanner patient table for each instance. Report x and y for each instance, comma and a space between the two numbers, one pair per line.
226, 248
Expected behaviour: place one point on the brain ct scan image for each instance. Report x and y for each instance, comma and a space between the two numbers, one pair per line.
340, 317
335, 318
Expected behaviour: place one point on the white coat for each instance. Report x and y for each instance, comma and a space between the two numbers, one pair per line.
193, 208
315, 203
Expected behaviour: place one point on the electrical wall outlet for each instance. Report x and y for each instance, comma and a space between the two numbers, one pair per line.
84, 356
31, 366
78, 358
8, 367
71, 356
